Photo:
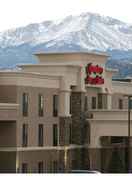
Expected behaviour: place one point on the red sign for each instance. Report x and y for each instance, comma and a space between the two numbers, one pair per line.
94, 74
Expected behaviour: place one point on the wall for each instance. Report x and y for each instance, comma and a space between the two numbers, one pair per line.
7, 134
8, 94
33, 120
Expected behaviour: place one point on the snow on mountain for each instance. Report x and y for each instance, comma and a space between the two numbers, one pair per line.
87, 31
93, 32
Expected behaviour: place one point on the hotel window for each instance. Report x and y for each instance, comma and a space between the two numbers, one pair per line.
100, 101
40, 167
40, 135
93, 102
55, 135
25, 104
25, 135
24, 167
40, 105
120, 104
55, 105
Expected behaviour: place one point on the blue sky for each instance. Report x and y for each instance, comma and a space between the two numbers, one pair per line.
15, 13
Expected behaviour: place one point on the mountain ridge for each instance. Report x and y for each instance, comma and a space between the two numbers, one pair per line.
85, 32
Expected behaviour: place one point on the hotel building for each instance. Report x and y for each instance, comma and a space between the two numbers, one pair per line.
62, 114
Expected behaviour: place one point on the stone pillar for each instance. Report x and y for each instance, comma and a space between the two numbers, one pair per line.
78, 121
64, 113
65, 122
64, 131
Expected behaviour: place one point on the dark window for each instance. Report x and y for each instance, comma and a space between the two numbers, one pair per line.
120, 104
100, 101
86, 103
93, 102
40, 167
55, 135
55, 105
25, 135
25, 104
24, 167
40, 105
40, 135
70, 133
130, 103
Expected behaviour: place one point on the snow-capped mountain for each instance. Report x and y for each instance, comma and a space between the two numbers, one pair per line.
84, 32
89, 31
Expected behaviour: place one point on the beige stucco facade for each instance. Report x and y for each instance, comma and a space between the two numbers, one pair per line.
61, 74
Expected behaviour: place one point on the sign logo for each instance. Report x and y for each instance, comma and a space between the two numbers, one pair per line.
94, 74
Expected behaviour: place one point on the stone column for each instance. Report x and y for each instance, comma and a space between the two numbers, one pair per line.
64, 131
65, 122
78, 121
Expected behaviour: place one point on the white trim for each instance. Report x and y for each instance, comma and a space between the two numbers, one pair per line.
27, 74
8, 106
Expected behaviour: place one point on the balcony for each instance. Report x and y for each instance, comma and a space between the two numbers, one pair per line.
112, 122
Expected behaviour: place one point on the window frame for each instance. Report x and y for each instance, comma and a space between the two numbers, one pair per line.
40, 105
25, 102
25, 135
55, 105
120, 103
40, 135
55, 135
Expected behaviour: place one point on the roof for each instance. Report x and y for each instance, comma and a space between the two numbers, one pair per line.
75, 52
